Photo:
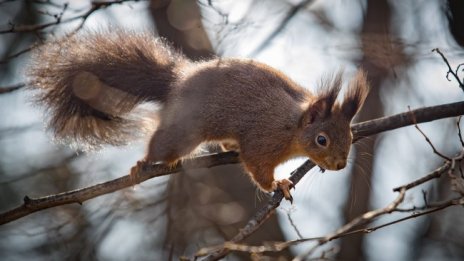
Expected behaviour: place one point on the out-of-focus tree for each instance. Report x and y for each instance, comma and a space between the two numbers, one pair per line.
455, 14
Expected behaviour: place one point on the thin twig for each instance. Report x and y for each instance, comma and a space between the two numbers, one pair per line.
437, 207
450, 70
297, 231
433, 175
424, 197
458, 123
427, 138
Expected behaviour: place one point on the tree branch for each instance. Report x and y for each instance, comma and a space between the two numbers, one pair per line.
368, 128
32, 205
290, 14
360, 130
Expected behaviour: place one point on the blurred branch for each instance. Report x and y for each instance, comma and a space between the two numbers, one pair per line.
12, 88
427, 138
279, 246
17, 54
37, 27
95, 6
66, 160
58, 20
290, 14
217, 252
146, 172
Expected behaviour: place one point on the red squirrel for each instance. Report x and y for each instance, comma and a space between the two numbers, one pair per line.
92, 84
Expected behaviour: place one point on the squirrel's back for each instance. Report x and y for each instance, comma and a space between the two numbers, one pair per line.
91, 83
236, 95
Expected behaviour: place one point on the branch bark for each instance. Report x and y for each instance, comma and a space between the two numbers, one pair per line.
32, 205
360, 130
426, 114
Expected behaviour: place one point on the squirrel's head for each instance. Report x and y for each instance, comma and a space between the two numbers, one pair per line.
324, 128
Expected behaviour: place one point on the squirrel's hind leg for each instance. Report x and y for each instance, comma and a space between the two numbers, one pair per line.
170, 144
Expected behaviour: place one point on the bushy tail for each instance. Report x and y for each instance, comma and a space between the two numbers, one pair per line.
92, 83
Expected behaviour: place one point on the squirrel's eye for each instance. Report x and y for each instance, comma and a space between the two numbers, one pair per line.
321, 140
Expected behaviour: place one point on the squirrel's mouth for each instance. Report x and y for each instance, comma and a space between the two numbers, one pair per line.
332, 164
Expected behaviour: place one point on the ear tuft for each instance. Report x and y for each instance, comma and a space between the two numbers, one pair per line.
329, 89
358, 90
326, 95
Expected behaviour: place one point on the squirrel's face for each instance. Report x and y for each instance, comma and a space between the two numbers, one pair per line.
327, 142
324, 127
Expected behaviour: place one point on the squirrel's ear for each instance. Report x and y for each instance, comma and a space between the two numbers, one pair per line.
356, 95
318, 110
326, 96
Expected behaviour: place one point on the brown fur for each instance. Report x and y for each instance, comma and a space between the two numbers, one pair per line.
247, 104
114, 71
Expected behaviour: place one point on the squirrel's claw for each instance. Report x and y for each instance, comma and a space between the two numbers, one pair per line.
290, 198
285, 185
134, 172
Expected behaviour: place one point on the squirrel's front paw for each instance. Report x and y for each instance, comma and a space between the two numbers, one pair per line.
285, 185
135, 170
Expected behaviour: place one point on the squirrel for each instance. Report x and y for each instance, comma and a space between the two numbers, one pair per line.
92, 84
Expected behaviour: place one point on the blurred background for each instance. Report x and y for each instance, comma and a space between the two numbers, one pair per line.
165, 218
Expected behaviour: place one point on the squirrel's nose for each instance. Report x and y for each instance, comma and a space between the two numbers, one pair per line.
341, 164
